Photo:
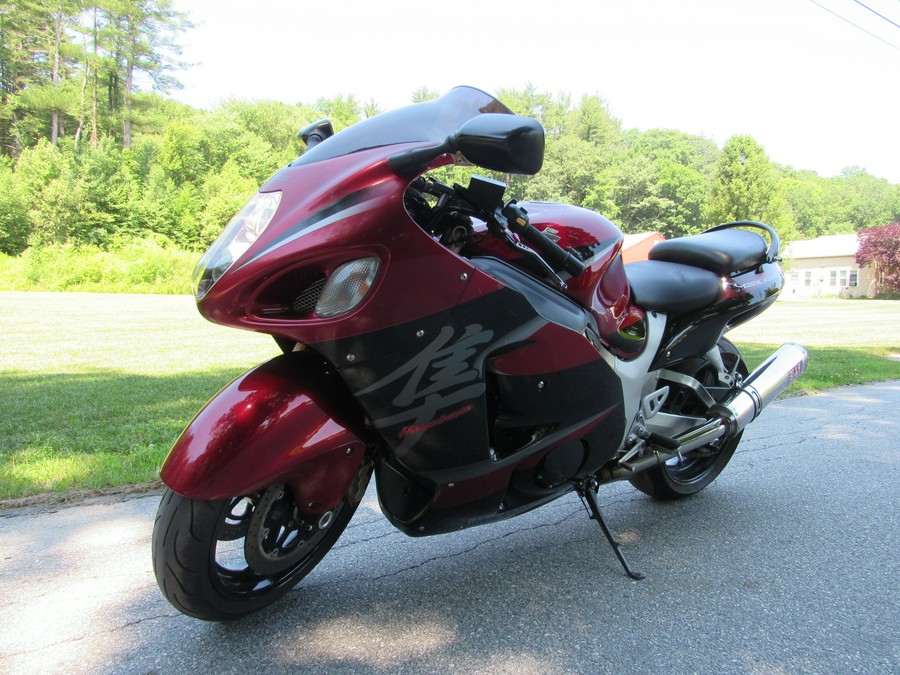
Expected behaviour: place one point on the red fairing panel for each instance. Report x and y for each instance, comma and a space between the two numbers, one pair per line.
275, 423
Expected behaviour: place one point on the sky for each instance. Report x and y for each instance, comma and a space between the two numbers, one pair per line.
815, 82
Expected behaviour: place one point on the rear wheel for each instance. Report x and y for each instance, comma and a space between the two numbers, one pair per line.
222, 559
682, 477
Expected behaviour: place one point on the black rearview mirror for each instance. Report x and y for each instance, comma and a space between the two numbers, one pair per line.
505, 143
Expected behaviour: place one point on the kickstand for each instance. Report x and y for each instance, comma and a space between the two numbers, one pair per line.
590, 496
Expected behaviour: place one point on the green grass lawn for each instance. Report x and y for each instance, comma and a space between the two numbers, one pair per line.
94, 388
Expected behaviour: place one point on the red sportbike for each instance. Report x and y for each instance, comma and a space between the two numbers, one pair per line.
482, 357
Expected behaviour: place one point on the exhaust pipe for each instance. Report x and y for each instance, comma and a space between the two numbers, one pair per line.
758, 390
731, 416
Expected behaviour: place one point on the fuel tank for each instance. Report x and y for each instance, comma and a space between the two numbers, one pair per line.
602, 287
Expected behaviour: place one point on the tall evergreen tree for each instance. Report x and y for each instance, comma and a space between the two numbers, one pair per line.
144, 38
745, 184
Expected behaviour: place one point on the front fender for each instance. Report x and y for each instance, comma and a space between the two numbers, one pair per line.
290, 420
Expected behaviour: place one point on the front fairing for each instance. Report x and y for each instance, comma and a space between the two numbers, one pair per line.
333, 211
339, 200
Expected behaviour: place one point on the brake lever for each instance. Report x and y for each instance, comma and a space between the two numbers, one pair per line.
551, 273
497, 224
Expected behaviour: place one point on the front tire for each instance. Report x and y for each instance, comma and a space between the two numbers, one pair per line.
218, 560
679, 478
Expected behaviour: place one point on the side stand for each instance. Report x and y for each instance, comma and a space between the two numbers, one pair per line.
591, 498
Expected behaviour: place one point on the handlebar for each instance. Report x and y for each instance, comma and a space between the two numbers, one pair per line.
555, 255
485, 196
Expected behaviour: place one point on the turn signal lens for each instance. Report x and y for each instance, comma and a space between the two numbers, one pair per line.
346, 287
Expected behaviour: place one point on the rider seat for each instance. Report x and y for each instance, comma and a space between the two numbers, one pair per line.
685, 274
724, 252
671, 288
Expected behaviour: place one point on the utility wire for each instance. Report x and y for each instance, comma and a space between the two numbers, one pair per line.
889, 44
861, 4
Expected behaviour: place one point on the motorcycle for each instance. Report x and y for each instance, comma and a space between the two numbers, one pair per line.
480, 357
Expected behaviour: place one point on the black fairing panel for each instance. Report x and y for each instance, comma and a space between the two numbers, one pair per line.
449, 417
696, 332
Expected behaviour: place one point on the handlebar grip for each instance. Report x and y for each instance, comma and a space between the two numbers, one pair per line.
556, 256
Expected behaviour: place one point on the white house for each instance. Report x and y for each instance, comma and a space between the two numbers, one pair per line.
826, 267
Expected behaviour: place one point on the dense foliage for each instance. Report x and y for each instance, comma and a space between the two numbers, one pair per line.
93, 154
880, 247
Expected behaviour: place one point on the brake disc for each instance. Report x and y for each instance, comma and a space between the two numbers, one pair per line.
279, 536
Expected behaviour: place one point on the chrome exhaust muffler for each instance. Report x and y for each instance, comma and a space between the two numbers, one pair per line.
728, 418
758, 390
764, 385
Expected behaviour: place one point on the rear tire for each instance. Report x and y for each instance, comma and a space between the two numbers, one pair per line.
677, 478
217, 560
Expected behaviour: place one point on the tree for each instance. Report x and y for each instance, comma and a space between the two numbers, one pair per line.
570, 171
36, 56
683, 194
694, 152
144, 38
423, 94
880, 246
181, 153
870, 201
108, 192
341, 110
276, 123
15, 227
745, 185
593, 122
371, 108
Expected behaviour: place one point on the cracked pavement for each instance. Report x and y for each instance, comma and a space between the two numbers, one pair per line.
787, 563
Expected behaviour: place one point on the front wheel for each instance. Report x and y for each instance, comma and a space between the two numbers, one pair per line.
679, 477
222, 559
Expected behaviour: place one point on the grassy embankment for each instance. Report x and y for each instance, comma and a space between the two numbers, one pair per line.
94, 388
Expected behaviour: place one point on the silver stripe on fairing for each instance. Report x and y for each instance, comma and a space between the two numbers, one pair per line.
349, 212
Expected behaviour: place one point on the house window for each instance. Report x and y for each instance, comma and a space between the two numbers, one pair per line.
807, 278
832, 278
853, 281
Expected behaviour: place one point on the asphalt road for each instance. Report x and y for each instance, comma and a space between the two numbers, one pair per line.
789, 562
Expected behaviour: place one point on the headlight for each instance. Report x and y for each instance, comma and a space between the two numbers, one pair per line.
238, 236
346, 287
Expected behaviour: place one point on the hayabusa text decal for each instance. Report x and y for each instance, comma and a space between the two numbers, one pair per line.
441, 375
